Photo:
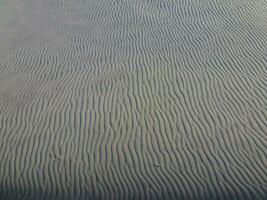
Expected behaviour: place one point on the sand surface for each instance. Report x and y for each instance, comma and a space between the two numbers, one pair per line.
133, 99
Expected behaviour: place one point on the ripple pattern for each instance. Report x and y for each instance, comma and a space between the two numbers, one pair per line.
133, 99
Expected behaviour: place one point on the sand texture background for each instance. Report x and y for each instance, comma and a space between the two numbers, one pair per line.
133, 99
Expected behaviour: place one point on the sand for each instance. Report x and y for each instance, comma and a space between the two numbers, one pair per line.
133, 99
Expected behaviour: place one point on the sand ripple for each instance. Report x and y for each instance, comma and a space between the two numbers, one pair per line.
133, 99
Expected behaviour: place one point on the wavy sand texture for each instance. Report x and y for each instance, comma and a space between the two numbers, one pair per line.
133, 99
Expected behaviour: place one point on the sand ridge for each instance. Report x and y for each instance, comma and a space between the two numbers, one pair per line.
133, 99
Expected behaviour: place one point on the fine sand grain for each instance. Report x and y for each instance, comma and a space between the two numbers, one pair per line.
133, 99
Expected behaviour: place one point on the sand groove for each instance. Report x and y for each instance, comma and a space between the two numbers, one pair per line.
133, 99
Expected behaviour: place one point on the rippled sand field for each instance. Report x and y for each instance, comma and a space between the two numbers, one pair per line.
133, 99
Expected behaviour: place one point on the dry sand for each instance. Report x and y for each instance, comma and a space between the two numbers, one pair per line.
133, 99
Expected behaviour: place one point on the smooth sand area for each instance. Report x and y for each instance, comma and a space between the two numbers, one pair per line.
133, 99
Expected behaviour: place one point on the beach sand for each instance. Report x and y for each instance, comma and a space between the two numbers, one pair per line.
133, 99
